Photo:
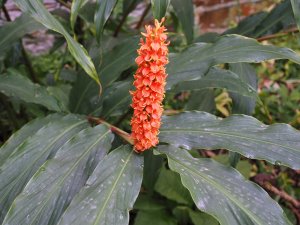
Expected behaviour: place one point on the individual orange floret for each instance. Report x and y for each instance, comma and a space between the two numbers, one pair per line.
150, 80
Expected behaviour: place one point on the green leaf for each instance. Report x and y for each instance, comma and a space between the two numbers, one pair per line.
117, 99
103, 10
18, 168
296, 10
264, 23
13, 31
199, 218
37, 10
278, 144
129, 5
153, 163
52, 188
202, 101
169, 185
241, 104
84, 94
247, 26
19, 137
185, 13
280, 17
112, 66
157, 217
16, 85
215, 191
219, 78
195, 61
110, 192
146, 202
61, 93
159, 8
76, 6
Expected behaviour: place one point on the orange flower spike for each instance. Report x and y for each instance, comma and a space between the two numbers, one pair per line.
150, 80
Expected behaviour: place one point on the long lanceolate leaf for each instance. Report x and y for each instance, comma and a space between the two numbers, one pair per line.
296, 9
111, 68
52, 188
219, 78
76, 5
185, 13
103, 10
39, 12
278, 143
19, 137
110, 192
222, 192
159, 8
241, 104
194, 62
30, 154
16, 85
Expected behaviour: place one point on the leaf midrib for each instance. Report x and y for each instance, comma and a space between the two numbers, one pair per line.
214, 184
29, 167
112, 189
227, 134
68, 173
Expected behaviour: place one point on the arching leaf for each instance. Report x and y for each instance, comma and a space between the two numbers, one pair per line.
185, 13
103, 10
110, 192
37, 10
18, 168
52, 188
219, 78
159, 8
278, 143
214, 190
195, 61
16, 85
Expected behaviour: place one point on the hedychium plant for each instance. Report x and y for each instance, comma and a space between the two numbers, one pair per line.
95, 158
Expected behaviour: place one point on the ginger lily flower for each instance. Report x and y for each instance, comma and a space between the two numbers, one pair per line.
150, 80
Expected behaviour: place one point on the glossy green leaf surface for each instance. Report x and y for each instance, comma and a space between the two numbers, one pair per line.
157, 217
110, 192
19, 167
103, 10
159, 8
264, 23
185, 13
37, 10
16, 85
129, 5
214, 190
52, 188
277, 143
296, 10
203, 100
84, 94
76, 5
219, 78
242, 104
19, 137
195, 61
169, 185
13, 31
117, 99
